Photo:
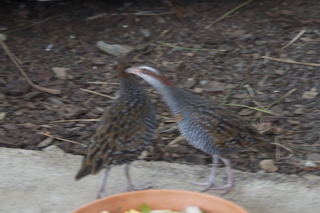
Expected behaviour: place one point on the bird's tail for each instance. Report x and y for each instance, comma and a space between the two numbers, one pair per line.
84, 171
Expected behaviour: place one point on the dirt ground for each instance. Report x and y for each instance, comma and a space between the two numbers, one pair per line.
56, 44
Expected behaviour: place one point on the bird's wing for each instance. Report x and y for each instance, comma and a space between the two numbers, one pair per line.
225, 128
120, 137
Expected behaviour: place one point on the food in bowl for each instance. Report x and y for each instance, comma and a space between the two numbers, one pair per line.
146, 209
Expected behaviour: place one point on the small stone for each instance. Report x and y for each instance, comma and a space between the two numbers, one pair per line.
190, 83
18, 112
46, 142
197, 90
268, 166
114, 49
143, 155
310, 164
53, 148
298, 111
17, 87
279, 72
3, 37
145, 32
204, 82
189, 54
2, 115
313, 157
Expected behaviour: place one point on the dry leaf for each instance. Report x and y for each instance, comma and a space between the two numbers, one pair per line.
310, 94
60, 72
263, 127
308, 39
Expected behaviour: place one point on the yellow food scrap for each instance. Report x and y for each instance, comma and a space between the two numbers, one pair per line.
104, 212
132, 211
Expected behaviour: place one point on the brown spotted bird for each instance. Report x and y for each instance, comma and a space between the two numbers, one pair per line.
212, 129
124, 131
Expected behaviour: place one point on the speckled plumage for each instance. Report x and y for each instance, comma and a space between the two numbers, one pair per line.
124, 131
212, 129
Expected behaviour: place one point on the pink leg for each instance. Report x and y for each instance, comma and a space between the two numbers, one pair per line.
209, 185
129, 183
230, 182
211, 180
103, 183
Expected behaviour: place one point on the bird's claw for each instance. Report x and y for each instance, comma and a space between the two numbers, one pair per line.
203, 184
100, 195
130, 188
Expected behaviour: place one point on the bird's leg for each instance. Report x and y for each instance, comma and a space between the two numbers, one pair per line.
229, 172
129, 183
103, 183
230, 182
214, 169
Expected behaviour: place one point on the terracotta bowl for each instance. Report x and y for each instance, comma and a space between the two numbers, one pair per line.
175, 200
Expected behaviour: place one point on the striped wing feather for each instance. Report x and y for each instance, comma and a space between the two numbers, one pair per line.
226, 129
120, 138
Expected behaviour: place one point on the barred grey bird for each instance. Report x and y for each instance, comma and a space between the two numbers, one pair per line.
124, 131
212, 129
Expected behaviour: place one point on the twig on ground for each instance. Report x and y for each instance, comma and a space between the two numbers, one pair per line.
228, 13
97, 93
61, 139
289, 61
282, 97
225, 98
294, 39
266, 60
40, 22
276, 139
254, 108
140, 13
250, 90
86, 120
176, 140
96, 82
17, 62
186, 48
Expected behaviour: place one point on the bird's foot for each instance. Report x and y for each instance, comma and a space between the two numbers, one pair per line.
130, 188
210, 186
226, 187
100, 195
203, 184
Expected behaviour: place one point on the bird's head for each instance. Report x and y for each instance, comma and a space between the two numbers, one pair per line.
150, 75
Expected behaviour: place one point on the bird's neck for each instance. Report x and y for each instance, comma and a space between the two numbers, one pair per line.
171, 97
130, 85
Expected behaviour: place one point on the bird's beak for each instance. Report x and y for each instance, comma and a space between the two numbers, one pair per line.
133, 70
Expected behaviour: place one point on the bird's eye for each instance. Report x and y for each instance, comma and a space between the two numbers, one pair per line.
145, 71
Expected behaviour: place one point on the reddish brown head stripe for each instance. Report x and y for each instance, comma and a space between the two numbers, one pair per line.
163, 79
